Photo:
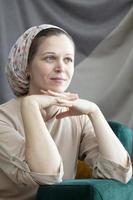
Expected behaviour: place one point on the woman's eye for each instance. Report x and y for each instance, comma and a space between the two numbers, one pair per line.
68, 60
49, 58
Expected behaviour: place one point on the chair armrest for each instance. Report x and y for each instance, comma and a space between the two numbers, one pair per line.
87, 189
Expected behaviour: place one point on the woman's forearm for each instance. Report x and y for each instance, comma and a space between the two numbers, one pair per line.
41, 152
109, 145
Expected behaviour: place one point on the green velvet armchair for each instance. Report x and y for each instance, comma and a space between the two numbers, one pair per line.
94, 189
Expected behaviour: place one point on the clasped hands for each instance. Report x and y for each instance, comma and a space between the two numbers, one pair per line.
75, 105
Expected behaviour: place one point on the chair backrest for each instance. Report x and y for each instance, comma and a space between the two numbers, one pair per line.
125, 135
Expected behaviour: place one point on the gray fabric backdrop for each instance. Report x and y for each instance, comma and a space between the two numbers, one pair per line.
103, 33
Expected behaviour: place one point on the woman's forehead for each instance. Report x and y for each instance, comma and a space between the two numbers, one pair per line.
56, 42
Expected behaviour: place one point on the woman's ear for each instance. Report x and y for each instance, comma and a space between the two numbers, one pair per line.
27, 73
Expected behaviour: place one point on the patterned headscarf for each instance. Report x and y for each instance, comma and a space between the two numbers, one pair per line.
18, 57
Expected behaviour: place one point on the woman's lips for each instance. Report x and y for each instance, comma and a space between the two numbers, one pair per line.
58, 79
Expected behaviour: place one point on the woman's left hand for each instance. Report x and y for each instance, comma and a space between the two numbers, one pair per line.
75, 106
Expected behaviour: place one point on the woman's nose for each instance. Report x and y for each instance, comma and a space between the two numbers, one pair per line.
60, 66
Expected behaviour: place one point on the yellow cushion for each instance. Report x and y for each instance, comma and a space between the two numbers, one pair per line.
83, 170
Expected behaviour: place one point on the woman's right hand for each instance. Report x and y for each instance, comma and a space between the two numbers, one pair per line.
35, 110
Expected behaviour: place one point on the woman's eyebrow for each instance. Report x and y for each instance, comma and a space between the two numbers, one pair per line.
53, 53
69, 54
48, 52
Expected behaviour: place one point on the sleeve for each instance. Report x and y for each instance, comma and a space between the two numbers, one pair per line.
12, 160
104, 168
101, 167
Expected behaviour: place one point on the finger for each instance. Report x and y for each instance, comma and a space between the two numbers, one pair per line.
64, 101
51, 93
57, 94
44, 91
67, 95
69, 105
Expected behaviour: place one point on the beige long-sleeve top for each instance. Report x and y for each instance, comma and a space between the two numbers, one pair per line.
75, 139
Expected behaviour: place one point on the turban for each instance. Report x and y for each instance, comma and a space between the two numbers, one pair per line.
17, 61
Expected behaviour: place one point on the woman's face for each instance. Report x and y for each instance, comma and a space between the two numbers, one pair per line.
52, 67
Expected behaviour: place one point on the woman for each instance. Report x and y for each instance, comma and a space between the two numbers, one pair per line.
45, 130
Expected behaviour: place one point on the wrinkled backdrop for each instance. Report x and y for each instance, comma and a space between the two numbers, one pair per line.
103, 33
